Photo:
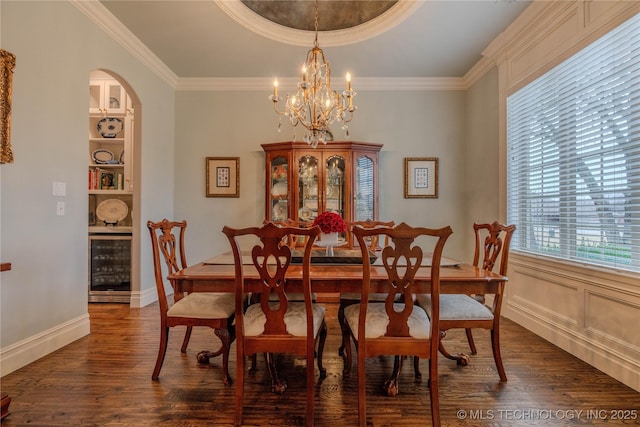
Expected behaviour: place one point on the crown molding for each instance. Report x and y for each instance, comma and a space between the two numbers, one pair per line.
291, 36
290, 84
105, 20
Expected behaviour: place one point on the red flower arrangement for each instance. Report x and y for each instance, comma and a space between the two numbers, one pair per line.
330, 222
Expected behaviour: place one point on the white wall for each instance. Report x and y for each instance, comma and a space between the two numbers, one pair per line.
44, 297
221, 124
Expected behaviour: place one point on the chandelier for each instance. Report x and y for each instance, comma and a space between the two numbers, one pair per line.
315, 105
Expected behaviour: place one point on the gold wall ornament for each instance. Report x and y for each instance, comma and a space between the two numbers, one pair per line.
7, 64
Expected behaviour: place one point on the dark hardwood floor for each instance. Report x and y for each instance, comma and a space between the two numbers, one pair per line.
104, 379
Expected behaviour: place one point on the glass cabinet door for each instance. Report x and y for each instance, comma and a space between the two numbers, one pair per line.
364, 189
308, 188
279, 194
334, 191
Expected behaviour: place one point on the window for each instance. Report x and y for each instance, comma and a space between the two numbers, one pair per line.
573, 147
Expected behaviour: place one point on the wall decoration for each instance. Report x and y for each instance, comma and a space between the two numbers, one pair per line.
7, 64
223, 177
420, 177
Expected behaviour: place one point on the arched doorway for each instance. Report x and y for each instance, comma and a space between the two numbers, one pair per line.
114, 196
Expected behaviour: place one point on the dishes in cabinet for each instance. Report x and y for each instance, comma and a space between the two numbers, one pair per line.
111, 211
121, 158
280, 211
305, 213
279, 189
110, 127
102, 157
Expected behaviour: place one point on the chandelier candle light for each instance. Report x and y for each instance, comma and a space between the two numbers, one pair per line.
315, 105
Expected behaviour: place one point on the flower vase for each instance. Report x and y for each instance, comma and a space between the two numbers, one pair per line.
329, 240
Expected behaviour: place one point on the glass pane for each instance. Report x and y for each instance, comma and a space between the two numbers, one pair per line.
115, 96
308, 188
364, 189
279, 189
334, 186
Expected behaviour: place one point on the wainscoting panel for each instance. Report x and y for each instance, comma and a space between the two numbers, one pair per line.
590, 313
613, 319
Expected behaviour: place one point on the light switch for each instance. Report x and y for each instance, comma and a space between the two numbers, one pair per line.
60, 208
59, 189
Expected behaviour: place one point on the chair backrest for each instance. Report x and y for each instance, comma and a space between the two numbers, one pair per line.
290, 240
497, 239
167, 244
272, 261
401, 261
368, 224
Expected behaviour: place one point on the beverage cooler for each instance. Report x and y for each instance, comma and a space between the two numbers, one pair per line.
110, 267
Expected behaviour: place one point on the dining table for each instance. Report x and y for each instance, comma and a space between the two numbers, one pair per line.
332, 273
341, 273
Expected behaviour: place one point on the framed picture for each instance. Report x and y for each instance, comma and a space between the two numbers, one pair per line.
420, 177
223, 177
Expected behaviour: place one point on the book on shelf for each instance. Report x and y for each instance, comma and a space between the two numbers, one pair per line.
102, 179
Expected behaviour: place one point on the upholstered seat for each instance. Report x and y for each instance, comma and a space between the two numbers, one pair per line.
295, 319
457, 307
377, 320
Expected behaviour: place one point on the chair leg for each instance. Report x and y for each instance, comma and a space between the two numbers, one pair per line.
278, 386
322, 340
239, 390
433, 393
495, 346
187, 337
461, 358
472, 344
343, 329
347, 358
310, 389
225, 338
416, 368
164, 338
391, 387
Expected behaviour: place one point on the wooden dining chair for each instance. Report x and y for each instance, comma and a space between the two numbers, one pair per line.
348, 298
492, 243
214, 310
280, 326
397, 328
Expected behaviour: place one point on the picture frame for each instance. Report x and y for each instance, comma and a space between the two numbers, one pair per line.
420, 177
223, 177
7, 65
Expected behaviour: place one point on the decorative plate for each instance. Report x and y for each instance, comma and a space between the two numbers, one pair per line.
304, 214
121, 158
280, 211
110, 127
102, 157
111, 211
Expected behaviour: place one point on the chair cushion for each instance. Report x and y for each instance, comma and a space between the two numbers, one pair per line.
204, 305
295, 319
377, 320
456, 307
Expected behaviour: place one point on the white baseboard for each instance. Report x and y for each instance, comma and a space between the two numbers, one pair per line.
33, 348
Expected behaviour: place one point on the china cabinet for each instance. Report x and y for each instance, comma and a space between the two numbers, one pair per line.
110, 188
302, 182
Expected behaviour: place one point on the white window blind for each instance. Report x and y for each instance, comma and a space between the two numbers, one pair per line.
573, 147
